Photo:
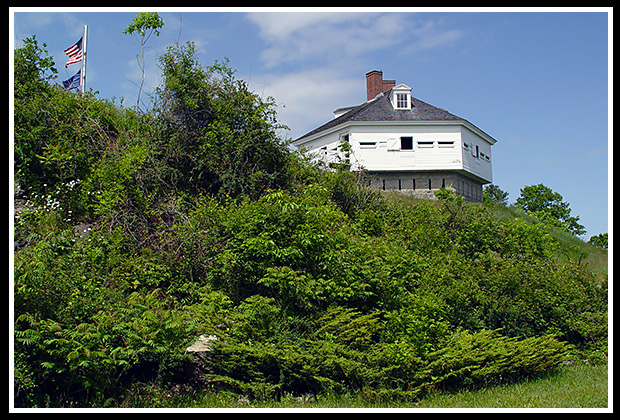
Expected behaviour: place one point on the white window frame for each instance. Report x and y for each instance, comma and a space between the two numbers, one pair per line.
425, 144
402, 100
445, 144
368, 144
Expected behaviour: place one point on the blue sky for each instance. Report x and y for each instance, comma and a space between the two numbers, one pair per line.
538, 82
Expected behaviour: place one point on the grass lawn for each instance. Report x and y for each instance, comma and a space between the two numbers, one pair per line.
573, 387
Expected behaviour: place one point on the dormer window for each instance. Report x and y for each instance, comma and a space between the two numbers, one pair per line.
400, 96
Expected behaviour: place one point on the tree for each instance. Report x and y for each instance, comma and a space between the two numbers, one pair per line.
600, 240
217, 135
540, 201
33, 69
493, 194
145, 24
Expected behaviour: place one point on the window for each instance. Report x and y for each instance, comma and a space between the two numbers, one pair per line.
406, 143
425, 144
344, 137
368, 144
445, 144
401, 101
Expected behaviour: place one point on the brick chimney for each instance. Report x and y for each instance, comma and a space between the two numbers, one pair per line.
376, 85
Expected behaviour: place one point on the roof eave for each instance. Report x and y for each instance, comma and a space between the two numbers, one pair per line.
302, 140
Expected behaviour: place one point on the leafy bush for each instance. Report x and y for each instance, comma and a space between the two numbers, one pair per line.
342, 354
487, 358
143, 338
216, 134
540, 201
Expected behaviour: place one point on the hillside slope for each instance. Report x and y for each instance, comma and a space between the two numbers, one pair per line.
197, 220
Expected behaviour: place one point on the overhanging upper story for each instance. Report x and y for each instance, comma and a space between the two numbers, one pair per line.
394, 131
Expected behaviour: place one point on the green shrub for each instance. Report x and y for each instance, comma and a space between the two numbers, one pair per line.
487, 358
142, 339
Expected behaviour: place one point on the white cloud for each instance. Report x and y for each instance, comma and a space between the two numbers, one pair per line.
431, 34
280, 25
315, 61
328, 37
307, 98
431, 40
597, 151
334, 37
328, 47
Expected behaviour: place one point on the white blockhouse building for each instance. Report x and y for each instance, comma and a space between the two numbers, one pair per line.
405, 144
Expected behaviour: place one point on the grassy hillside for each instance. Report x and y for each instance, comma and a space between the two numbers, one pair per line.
571, 387
137, 233
569, 248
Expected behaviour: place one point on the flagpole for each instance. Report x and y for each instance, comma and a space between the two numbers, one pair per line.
83, 73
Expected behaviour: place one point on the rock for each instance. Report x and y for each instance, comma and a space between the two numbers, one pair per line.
195, 373
202, 345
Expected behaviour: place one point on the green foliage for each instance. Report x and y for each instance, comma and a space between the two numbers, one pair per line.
475, 360
32, 69
494, 195
548, 206
143, 22
199, 221
342, 354
572, 386
421, 323
600, 240
142, 336
219, 137
349, 192
32, 72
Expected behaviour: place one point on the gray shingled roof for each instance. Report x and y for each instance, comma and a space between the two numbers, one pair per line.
380, 109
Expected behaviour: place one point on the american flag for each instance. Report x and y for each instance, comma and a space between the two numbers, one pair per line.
74, 52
